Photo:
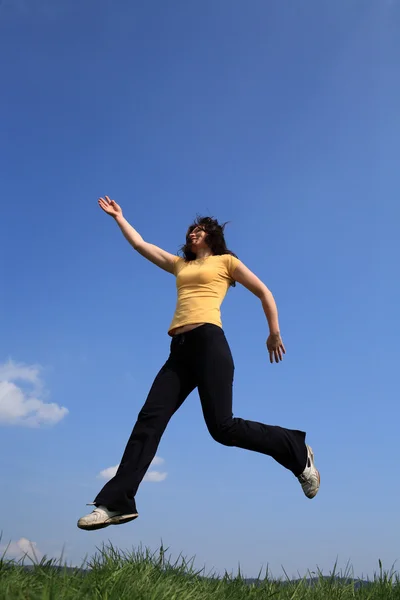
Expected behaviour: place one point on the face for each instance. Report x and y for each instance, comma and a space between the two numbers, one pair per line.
196, 237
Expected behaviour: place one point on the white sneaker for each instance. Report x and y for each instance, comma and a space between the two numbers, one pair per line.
310, 477
102, 517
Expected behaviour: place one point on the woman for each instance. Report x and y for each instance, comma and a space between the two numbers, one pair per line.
199, 357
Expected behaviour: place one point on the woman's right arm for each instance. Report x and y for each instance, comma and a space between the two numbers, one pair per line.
153, 253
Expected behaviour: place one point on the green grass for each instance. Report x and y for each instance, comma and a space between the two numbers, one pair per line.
114, 575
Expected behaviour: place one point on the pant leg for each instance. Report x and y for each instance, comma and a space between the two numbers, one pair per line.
170, 388
215, 370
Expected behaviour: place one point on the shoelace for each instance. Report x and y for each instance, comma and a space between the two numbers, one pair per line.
303, 480
308, 480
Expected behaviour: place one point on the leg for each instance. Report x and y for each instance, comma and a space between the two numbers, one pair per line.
214, 372
170, 389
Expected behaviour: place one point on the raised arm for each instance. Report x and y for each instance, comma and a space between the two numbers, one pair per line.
153, 253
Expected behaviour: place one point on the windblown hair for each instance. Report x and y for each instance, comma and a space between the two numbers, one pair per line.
215, 238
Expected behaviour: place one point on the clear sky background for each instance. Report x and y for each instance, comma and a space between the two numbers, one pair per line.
280, 117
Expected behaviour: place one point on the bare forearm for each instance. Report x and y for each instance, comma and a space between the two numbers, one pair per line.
129, 233
270, 310
153, 253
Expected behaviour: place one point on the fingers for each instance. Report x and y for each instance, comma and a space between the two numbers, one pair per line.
276, 354
271, 352
106, 204
279, 352
106, 207
112, 203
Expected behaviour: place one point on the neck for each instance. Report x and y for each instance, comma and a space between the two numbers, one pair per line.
203, 253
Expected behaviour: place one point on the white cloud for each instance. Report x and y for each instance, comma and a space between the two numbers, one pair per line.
11, 371
23, 404
22, 548
108, 473
152, 476
155, 476
157, 460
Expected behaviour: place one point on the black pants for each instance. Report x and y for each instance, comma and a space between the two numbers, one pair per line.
200, 358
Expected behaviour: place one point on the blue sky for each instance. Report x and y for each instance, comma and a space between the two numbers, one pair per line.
281, 118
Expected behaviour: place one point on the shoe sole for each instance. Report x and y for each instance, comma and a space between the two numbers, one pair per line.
311, 453
117, 520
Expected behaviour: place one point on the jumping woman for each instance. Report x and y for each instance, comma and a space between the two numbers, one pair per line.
199, 358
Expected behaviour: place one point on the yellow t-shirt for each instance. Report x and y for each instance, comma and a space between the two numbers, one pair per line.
202, 285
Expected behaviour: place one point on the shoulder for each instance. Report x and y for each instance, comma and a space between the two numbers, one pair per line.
178, 264
230, 262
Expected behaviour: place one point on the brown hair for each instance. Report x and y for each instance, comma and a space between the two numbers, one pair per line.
215, 238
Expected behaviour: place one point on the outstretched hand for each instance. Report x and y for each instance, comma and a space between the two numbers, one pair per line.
110, 207
275, 347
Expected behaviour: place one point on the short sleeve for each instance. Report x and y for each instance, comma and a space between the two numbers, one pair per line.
232, 263
177, 260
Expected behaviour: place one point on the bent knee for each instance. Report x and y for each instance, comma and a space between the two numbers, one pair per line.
222, 435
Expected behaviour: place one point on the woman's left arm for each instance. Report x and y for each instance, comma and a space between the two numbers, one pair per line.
249, 280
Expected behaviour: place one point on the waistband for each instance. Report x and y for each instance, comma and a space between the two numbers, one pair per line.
193, 333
